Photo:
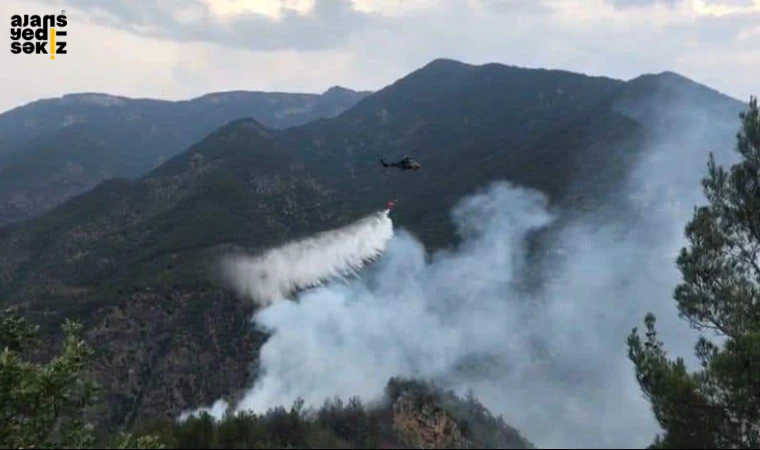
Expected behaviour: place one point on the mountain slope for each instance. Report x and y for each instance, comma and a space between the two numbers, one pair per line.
130, 259
466, 125
135, 260
274, 109
53, 149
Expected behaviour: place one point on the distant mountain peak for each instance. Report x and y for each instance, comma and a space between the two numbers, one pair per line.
338, 90
94, 98
452, 67
343, 93
247, 125
671, 74
666, 75
224, 96
670, 80
446, 63
241, 123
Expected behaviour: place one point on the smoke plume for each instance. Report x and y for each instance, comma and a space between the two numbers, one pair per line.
552, 360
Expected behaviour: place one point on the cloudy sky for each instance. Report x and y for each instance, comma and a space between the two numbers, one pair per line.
176, 49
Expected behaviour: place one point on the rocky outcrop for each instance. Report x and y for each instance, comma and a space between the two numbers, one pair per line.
421, 423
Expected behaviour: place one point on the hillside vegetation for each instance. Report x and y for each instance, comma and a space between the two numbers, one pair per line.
717, 405
43, 406
54, 149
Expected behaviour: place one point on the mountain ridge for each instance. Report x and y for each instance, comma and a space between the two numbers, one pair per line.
127, 137
82, 96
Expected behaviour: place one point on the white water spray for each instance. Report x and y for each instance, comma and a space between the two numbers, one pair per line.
281, 272
309, 262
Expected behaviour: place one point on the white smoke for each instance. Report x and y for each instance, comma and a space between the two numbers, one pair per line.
553, 362
338, 253
282, 271
409, 317
217, 410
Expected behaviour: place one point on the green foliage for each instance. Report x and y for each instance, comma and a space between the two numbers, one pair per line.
125, 440
717, 406
278, 428
42, 405
16, 333
337, 424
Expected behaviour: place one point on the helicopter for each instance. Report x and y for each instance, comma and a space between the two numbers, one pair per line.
408, 163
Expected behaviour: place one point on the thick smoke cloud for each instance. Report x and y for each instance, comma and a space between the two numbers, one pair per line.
553, 361
409, 317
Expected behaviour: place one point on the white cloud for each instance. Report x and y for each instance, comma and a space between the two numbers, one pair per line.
396, 7
268, 8
726, 7
99, 59
178, 49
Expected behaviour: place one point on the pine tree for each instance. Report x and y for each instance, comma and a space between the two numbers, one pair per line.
717, 406
42, 405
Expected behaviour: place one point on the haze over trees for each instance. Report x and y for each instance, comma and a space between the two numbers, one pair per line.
717, 406
42, 405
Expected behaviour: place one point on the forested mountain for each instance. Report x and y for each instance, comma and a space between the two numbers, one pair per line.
412, 414
53, 149
44, 406
133, 259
